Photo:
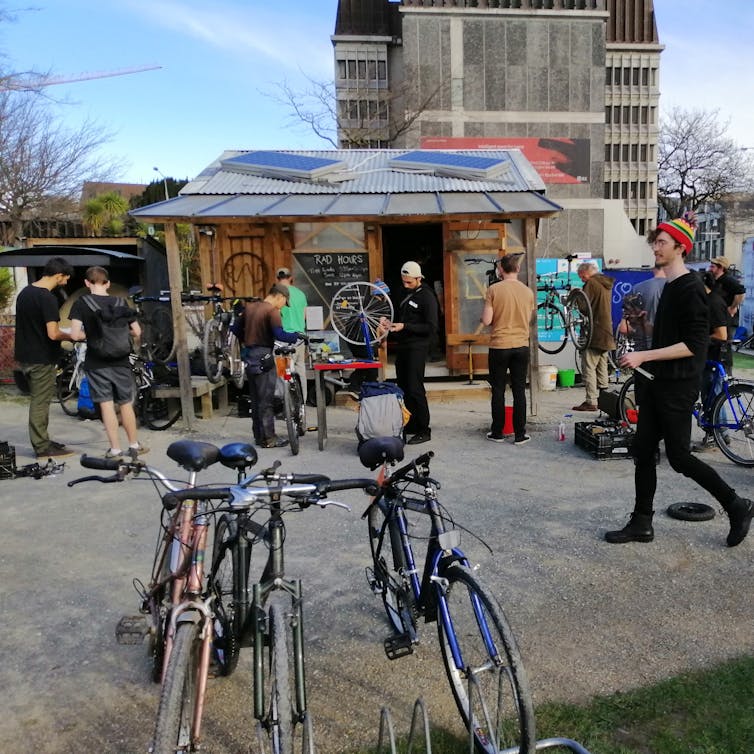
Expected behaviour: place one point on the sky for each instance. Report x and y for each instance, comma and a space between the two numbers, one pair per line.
223, 61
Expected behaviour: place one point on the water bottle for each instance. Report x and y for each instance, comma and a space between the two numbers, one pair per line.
561, 430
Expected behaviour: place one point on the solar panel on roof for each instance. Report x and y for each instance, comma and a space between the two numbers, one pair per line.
283, 165
451, 163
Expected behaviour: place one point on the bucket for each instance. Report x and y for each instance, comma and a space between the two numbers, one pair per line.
508, 422
548, 377
566, 377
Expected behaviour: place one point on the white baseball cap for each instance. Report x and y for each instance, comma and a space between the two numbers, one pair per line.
411, 270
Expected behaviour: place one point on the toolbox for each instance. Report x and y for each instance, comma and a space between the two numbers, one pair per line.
604, 438
7, 461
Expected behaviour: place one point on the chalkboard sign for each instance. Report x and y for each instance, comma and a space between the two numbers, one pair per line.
321, 275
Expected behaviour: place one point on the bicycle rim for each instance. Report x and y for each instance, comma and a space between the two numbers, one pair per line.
629, 409
550, 323
733, 424
159, 413
280, 709
161, 344
578, 315
178, 698
299, 406
212, 349
356, 310
486, 676
289, 410
237, 367
68, 391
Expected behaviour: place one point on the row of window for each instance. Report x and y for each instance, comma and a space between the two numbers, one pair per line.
641, 226
631, 76
363, 109
630, 153
630, 114
629, 190
362, 70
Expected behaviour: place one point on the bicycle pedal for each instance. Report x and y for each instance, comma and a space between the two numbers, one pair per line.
131, 629
397, 646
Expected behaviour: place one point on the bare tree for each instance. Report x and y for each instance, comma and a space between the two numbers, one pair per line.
698, 161
42, 164
361, 117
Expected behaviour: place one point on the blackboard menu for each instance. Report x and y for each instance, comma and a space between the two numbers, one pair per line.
321, 275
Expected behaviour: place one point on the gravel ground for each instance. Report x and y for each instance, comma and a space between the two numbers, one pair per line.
590, 618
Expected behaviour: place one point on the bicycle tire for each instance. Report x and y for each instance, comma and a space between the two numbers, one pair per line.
627, 406
550, 318
161, 344
158, 605
356, 310
299, 405
579, 318
494, 662
280, 717
67, 390
158, 413
173, 729
225, 566
289, 411
389, 567
237, 368
733, 423
212, 350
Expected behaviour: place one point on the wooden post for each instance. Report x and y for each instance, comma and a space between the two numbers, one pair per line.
530, 239
179, 326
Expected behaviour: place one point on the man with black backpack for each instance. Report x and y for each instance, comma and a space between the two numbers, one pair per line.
107, 325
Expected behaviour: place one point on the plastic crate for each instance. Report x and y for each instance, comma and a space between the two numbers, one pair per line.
604, 439
7, 461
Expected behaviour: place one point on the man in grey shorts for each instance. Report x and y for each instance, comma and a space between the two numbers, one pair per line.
110, 378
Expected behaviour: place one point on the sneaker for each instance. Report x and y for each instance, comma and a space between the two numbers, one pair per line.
55, 444
419, 438
740, 513
114, 455
275, 442
585, 407
139, 450
495, 438
55, 452
707, 442
522, 440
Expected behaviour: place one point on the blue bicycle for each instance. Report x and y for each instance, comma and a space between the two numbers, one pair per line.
481, 658
725, 411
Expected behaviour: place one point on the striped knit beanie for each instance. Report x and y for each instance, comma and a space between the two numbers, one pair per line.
682, 229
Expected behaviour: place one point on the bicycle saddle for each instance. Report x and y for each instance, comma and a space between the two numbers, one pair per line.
193, 455
238, 455
376, 450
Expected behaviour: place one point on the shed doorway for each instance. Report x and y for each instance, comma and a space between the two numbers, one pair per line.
422, 243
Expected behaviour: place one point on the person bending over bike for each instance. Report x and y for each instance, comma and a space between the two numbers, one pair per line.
262, 327
674, 364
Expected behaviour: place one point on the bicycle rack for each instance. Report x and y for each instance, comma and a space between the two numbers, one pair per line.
545, 743
419, 717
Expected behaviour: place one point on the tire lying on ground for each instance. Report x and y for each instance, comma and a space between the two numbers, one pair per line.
691, 511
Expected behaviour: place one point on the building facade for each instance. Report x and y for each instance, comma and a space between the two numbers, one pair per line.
572, 83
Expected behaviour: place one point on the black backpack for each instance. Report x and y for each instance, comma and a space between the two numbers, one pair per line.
110, 338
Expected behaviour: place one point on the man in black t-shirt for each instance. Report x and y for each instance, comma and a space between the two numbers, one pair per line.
110, 377
729, 290
37, 350
669, 387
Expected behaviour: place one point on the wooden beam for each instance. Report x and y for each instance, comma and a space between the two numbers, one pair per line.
530, 240
179, 326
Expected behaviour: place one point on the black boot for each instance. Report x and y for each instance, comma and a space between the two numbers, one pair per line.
740, 512
638, 529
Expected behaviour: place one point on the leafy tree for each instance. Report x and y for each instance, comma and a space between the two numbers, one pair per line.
104, 215
7, 288
698, 162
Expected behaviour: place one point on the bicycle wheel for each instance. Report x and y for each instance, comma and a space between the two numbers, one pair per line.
67, 390
212, 350
159, 413
225, 566
237, 369
300, 412
483, 665
627, 406
733, 423
290, 411
160, 342
158, 608
578, 317
389, 564
356, 310
551, 328
278, 691
173, 730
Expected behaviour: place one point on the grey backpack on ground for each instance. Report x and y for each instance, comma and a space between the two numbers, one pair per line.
382, 412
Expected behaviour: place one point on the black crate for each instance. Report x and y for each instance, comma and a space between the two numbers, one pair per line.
7, 461
604, 439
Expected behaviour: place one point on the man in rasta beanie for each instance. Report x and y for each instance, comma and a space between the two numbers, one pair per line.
674, 364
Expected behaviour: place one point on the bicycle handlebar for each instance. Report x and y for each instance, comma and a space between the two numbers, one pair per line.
403, 471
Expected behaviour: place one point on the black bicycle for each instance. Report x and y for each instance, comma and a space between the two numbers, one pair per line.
479, 651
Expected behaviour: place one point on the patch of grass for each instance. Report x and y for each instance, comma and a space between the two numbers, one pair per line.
703, 712
742, 361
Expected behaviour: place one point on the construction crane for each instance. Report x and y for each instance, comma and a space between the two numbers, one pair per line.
30, 81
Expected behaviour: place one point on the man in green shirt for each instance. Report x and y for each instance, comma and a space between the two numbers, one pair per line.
294, 320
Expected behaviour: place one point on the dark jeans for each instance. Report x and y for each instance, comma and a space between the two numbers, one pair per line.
261, 394
501, 361
409, 374
666, 414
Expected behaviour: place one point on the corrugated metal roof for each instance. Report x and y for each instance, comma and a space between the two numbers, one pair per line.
367, 185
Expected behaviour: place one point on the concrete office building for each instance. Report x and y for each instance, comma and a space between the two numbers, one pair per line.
573, 83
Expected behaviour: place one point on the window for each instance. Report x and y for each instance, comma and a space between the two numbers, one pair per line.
607, 191
341, 69
634, 153
642, 227
626, 76
632, 192
624, 190
626, 114
607, 152
608, 76
616, 152
644, 115
635, 114
351, 69
616, 114
624, 155
373, 70
643, 153
381, 70
616, 76
642, 190
645, 76
362, 66
608, 115
616, 190
635, 76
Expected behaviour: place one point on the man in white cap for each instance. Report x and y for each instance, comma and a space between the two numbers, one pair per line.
417, 322
294, 320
